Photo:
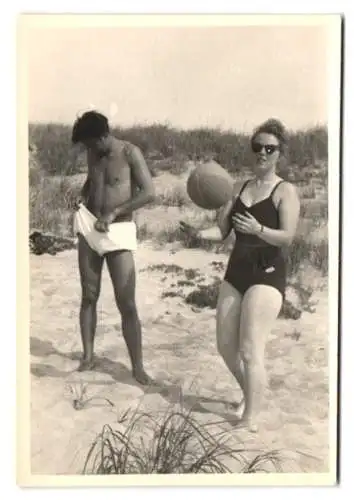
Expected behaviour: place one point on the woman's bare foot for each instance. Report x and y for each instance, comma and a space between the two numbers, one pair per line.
239, 409
85, 365
142, 377
247, 424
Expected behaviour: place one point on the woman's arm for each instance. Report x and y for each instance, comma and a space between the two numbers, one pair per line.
223, 226
212, 233
223, 222
223, 216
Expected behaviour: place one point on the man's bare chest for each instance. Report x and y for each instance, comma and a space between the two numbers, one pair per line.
110, 171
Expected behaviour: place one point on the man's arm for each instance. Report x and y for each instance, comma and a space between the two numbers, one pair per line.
142, 177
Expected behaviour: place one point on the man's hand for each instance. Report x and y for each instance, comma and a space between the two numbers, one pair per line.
102, 223
80, 200
101, 226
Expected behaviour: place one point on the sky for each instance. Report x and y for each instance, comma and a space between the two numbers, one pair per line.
229, 77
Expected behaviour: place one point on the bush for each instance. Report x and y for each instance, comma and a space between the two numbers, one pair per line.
51, 205
54, 149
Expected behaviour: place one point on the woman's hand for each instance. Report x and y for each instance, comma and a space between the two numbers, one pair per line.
189, 231
246, 223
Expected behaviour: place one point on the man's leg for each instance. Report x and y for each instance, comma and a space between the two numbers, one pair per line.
90, 266
121, 267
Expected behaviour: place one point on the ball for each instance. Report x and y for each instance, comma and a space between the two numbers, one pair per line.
209, 186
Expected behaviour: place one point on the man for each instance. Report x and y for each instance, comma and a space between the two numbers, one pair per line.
118, 183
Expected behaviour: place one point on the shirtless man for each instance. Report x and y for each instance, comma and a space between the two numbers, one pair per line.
118, 183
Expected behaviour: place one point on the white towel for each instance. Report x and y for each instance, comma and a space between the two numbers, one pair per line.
120, 235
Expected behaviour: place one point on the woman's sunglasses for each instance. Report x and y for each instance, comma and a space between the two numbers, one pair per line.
269, 148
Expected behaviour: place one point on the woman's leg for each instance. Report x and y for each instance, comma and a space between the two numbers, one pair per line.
260, 308
228, 314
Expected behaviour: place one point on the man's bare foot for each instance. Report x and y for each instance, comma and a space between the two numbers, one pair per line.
142, 377
85, 365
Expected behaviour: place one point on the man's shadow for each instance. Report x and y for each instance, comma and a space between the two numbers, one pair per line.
169, 391
43, 349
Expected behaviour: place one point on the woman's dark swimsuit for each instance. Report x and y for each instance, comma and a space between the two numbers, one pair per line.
253, 261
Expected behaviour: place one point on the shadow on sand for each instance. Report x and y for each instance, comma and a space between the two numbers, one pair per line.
120, 373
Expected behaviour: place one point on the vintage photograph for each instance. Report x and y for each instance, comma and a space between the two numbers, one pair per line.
182, 249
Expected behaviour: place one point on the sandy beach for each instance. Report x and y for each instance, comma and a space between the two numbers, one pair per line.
180, 354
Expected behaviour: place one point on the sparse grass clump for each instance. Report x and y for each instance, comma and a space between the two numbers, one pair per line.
191, 273
79, 398
185, 283
166, 268
205, 295
172, 293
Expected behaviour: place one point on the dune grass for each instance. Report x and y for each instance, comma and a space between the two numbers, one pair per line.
307, 148
171, 442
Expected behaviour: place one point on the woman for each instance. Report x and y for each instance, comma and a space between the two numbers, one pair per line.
263, 216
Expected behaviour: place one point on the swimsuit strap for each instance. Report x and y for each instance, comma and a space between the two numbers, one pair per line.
243, 187
275, 187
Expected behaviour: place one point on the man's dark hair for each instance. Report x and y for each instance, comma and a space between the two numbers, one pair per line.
91, 125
